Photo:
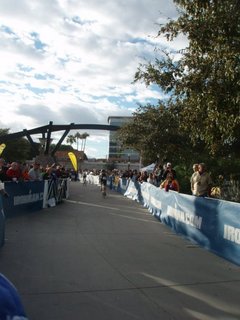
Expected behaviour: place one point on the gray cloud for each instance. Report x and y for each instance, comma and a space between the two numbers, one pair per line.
38, 113
74, 61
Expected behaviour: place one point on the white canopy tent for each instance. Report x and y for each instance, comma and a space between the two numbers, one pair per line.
148, 168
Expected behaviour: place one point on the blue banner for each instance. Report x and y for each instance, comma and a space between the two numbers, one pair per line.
213, 224
23, 197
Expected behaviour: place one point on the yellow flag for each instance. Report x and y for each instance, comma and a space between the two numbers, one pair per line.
2, 147
73, 160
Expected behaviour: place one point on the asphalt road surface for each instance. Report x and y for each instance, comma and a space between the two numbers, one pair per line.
91, 258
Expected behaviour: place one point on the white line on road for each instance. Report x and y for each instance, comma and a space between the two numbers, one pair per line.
111, 208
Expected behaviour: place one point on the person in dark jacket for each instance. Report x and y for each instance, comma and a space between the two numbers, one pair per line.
169, 169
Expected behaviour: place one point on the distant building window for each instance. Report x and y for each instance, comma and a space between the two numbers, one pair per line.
115, 149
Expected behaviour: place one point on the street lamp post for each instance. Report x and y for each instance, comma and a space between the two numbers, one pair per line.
128, 162
44, 157
42, 144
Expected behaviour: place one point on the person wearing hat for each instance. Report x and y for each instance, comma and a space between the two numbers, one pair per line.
169, 169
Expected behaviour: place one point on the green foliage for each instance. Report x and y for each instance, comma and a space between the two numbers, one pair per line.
3, 132
201, 119
205, 82
16, 150
71, 139
183, 176
155, 132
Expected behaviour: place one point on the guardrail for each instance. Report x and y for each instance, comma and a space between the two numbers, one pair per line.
29, 196
210, 223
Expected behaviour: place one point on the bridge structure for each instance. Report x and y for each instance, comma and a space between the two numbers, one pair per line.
46, 132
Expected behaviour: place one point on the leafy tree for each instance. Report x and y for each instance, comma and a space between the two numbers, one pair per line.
205, 83
71, 139
77, 136
16, 150
74, 138
155, 133
84, 140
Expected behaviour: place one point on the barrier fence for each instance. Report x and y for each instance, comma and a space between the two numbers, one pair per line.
210, 223
23, 197
29, 196
55, 191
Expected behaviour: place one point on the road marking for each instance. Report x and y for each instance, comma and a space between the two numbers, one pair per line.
111, 208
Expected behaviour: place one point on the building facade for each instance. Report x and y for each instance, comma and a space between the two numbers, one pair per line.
116, 151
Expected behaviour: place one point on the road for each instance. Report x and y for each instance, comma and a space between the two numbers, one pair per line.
110, 259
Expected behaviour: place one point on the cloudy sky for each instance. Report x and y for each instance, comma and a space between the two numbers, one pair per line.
74, 61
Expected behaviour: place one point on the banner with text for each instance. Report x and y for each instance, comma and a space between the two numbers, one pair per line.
213, 224
23, 197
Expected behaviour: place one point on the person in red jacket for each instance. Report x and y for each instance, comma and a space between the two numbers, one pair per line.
170, 183
14, 172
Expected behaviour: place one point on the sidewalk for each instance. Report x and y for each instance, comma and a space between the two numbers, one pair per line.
109, 259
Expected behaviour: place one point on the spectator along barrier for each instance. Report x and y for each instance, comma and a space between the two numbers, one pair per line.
210, 223
114, 182
30, 196
92, 179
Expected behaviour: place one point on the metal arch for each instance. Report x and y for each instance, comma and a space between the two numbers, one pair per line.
48, 129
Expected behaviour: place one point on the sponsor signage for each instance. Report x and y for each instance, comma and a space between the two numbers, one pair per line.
213, 224
23, 197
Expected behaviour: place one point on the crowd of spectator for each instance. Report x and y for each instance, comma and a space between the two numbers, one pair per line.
162, 176
16, 171
165, 177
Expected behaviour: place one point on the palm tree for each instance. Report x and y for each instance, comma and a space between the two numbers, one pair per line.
77, 136
84, 137
71, 139
74, 138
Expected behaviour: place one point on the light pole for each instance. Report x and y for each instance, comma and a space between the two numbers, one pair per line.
42, 144
128, 162
44, 157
